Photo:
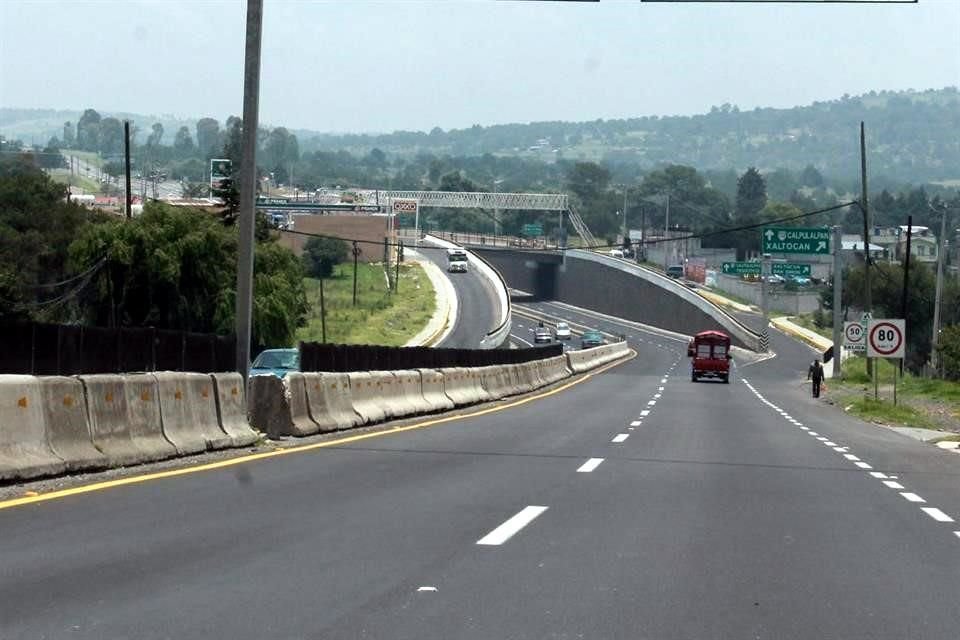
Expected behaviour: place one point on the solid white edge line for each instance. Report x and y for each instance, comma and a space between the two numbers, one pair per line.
590, 465
620, 437
936, 514
509, 528
911, 497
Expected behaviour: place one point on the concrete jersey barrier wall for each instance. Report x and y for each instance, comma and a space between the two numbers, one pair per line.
330, 401
232, 409
66, 423
188, 408
24, 451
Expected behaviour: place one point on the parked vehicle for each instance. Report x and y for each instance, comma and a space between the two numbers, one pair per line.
562, 331
709, 354
675, 271
616, 253
276, 362
591, 339
775, 279
542, 334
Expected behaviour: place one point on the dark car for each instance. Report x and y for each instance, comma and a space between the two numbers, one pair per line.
276, 362
591, 339
542, 334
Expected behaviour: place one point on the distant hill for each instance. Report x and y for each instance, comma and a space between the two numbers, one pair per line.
913, 136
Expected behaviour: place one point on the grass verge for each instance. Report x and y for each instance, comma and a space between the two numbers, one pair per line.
921, 402
63, 176
806, 321
380, 317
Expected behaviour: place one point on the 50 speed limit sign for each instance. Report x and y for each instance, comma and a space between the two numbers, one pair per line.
853, 336
886, 338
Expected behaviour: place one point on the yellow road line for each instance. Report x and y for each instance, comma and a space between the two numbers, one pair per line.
210, 466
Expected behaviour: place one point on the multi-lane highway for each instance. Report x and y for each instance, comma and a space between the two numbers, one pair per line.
634, 504
478, 311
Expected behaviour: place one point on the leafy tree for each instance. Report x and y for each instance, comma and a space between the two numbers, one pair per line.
751, 194
321, 255
208, 137
183, 143
175, 268
69, 134
588, 180
51, 158
810, 177
281, 150
88, 131
111, 137
156, 135
36, 227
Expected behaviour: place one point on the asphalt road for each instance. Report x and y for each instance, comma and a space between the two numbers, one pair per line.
635, 504
477, 311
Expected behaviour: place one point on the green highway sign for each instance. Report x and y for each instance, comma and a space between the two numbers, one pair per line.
790, 269
796, 240
742, 268
533, 230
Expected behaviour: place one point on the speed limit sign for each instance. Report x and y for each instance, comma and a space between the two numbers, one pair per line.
885, 338
853, 336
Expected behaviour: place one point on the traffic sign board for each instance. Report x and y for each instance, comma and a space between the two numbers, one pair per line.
796, 240
741, 268
886, 338
790, 269
533, 230
853, 336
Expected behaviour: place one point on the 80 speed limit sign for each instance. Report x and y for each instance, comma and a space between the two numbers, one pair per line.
885, 338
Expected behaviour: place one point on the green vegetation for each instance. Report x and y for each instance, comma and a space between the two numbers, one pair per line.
807, 322
921, 402
64, 177
380, 317
171, 268
90, 157
321, 255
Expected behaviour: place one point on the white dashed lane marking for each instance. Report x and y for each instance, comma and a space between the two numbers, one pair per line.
620, 437
590, 465
888, 480
635, 423
510, 528
936, 514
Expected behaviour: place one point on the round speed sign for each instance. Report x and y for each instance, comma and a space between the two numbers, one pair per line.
885, 339
854, 332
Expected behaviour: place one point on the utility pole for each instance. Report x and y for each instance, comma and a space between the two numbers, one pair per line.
666, 243
323, 314
626, 238
128, 200
837, 301
865, 209
941, 249
906, 281
247, 190
356, 254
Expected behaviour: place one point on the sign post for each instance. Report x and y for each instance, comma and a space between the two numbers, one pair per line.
814, 240
886, 338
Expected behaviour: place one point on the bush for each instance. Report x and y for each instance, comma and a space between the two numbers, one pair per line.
950, 352
321, 255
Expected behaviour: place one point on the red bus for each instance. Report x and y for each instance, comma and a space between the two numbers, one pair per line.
709, 352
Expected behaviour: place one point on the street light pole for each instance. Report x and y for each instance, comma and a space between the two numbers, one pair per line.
247, 190
935, 341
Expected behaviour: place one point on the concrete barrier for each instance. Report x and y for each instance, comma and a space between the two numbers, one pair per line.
125, 422
302, 424
411, 391
66, 423
459, 385
586, 359
232, 408
554, 369
188, 411
496, 381
329, 401
24, 450
268, 404
432, 384
368, 391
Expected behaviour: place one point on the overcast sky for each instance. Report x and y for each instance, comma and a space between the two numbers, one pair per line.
379, 66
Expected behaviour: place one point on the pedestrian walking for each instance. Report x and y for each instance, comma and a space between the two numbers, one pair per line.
815, 375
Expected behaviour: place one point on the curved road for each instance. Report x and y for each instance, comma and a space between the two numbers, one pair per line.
633, 504
477, 310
